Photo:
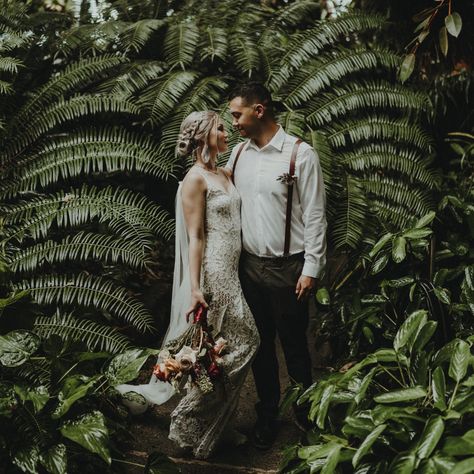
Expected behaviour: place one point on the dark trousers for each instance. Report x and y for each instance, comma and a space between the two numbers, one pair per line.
269, 288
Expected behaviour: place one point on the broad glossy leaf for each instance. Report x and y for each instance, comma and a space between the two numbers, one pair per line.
464, 467
430, 437
385, 355
444, 464
446, 352
380, 244
400, 282
427, 467
322, 296
424, 335
4, 302
407, 67
316, 451
399, 250
459, 361
27, 459
74, 388
90, 432
409, 329
365, 385
443, 40
425, 220
125, 367
443, 295
460, 445
403, 395
379, 264
419, 367
39, 396
17, 347
55, 459
438, 388
332, 460
404, 463
417, 233
453, 24
367, 444
324, 405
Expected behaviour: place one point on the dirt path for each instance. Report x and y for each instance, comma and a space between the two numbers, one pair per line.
150, 432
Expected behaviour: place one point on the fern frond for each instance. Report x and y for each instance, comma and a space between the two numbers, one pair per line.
10, 64
310, 43
96, 336
245, 53
294, 122
90, 292
180, 44
351, 210
135, 36
378, 128
162, 96
296, 13
128, 213
76, 76
85, 152
67, 110
80, 247
325, 155
330, 67
5, 88
213, 44
363, 95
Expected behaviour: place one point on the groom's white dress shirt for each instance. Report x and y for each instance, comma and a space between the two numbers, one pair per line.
264, 201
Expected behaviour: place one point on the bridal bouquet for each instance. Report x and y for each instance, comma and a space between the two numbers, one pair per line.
194, 355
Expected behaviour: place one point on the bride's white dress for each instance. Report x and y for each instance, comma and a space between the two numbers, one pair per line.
200, 419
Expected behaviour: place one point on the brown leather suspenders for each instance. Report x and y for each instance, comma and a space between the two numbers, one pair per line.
289, 202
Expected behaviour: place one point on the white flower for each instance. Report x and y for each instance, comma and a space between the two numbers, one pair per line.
186, 357
164, 354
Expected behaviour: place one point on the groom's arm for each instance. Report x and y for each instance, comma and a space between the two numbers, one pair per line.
312, 195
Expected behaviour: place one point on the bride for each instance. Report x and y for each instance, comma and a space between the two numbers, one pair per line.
208, 245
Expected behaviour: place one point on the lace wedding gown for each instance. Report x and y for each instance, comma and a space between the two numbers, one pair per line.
200, 419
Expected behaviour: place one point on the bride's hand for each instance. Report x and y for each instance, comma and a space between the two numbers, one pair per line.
197, 299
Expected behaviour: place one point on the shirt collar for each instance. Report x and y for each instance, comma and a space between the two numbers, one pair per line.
276, 142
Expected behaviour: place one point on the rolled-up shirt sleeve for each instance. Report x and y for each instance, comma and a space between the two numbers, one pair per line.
310, 185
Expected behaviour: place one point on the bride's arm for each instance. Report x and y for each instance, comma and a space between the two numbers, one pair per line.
194, 206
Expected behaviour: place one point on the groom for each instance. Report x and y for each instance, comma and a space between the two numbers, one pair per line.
283, 229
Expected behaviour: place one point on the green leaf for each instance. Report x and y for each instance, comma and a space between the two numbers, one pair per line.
438, 388
403, 395
443, 40
409, 329
417, 233
322, 296
39, 396
453, 24
324, 405
364, 385
404, 463
460, 445
425, 220
424, 335
380, 244
125, 367
158, 463
379, 264
463, 467
73, 389
399, 250
4, 302
385, 355
442, 294
90, 432
400, 282
367, 444
332, 460
407, 67
430, 437
55, 459
459, 361
27, 459
8, 401
17, 347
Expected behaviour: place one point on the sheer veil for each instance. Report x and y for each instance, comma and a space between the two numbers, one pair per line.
157, 392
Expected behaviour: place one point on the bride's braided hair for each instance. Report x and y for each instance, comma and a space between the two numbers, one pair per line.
194, 131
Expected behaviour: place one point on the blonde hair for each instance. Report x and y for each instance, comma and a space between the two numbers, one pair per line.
194, 131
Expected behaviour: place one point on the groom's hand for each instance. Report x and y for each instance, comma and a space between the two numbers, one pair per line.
304, 286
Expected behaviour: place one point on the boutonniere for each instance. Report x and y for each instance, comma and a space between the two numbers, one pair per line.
287, 179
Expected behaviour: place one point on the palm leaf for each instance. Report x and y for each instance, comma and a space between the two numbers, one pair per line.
180, 43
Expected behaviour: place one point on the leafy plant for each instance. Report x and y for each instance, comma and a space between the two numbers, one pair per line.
403, 409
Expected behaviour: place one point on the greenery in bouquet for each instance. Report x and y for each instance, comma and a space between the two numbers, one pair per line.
194, 357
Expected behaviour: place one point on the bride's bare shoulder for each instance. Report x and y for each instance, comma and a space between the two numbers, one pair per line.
194, 182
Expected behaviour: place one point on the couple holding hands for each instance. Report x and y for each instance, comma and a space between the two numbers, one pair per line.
250, 246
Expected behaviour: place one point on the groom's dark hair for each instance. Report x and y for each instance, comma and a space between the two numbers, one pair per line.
253, 92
